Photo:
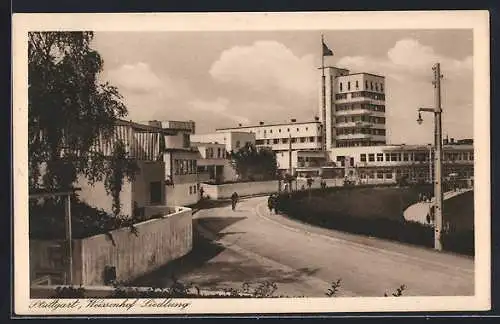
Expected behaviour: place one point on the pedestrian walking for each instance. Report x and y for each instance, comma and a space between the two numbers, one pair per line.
271, 203
234, 200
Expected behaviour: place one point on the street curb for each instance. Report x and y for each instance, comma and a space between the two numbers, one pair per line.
356, 244
235, 248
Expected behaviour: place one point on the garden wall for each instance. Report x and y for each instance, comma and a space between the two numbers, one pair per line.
155, 243
224, 191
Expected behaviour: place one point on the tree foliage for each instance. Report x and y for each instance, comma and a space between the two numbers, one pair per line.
68, 109
251, 163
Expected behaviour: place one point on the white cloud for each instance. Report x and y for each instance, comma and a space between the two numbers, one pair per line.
408, 71
139, 78
219, 107
266, 66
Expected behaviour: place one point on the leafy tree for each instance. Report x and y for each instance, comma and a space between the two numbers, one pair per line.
68, 109
254, 164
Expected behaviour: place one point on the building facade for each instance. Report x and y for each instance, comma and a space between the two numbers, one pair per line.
146, 193
293, 142
391, 162
181, 178
213, 163
233, 139
354, 109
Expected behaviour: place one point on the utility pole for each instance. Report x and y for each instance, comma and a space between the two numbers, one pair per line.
323, 98
438, 156
290, 154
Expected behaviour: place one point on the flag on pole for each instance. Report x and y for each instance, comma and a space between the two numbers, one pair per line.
326, 50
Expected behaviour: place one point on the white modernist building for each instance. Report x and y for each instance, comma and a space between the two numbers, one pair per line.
232, 140
213, 163
355, 109
182, 185
298, 142
352, 128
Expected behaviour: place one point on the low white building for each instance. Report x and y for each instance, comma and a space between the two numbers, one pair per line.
301, 139
213, 163
390, 162
232, 140
182, 185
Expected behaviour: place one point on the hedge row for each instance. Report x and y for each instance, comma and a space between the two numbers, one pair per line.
390, 227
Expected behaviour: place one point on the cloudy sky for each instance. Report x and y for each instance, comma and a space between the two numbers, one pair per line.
220, 79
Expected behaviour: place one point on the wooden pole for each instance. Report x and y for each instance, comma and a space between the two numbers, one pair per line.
69, 238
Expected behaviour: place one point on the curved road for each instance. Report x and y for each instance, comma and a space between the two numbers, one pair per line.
305, 259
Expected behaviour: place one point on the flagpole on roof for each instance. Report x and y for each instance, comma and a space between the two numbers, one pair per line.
323, 98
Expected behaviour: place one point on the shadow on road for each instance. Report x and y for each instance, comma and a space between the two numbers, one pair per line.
203, 250
216, 224
206, 266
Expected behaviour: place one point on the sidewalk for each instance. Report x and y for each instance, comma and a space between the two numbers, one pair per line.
418, 212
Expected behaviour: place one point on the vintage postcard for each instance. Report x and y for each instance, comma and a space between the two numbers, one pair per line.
243, 163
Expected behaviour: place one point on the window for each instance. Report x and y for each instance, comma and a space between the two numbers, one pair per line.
311, 139
194, 189
371, 157
279, 130
340, 86
388, 175
387, 157
405, 156
371, 85
275, 141
348, 85
285, 140
362, 157
268, 142
394, 157
357, 84
380, 175
294, 140
471, 156
155, 192
303, 139
190, 190
238, 144
376, 86
307, 129
218, 152
297, 129
381, 87
271, 131
185, 140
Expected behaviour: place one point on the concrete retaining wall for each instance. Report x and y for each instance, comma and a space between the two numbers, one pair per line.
156, 242
224, 191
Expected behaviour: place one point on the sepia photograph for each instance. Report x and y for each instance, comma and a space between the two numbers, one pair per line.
251, 163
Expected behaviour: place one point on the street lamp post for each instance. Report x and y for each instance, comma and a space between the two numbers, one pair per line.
438, 155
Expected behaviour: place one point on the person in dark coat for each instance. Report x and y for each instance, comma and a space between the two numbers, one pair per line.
234, 200
271, 203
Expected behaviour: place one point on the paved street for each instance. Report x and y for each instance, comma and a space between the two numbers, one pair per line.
252, 245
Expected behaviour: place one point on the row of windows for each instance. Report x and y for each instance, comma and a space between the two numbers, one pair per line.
287, 130
396, 157
353, 143
368, 86
184, 167
311, 139
370, 107
359, 94
210, 153
353, 130
194, 189
363, 118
